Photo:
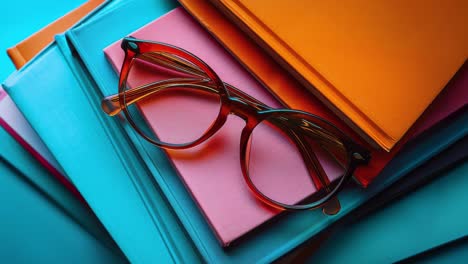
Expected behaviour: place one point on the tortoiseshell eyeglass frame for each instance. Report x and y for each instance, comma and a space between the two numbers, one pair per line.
294, 123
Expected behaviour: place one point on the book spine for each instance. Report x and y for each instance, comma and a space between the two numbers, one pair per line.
16, 57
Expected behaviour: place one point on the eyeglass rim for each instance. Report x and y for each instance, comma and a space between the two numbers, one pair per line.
132, 50
351, 159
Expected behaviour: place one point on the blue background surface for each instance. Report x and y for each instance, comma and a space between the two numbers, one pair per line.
17, 25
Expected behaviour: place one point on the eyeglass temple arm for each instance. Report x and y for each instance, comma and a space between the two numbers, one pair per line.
313, 164
111, 104
332, 206
310, 158
177, 64
174, 63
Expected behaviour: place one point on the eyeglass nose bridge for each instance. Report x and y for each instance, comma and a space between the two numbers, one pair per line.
243, 108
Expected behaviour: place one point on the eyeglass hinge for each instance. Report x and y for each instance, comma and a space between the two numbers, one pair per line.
129, 44
362, 157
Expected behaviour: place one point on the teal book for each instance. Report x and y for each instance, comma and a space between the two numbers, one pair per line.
448, 253
129, 183
73, 132
431, 215
37, 176
425, 173
41, 222
431, 170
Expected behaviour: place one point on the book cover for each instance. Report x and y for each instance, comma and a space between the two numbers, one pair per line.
450, 252
377, 65
75, 135
431, 170
41, 180
13, 122
36, 230
415, 227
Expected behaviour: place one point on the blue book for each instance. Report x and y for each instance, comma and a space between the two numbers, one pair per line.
41, 223
73, 132
129, 183
31, 171
431, 169
436, 167
448, 253
429, 216
99, 172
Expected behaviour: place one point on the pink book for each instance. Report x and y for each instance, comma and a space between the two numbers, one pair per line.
211, 171
213, 175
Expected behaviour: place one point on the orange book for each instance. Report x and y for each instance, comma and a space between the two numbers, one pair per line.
28, 48
293, 95
377, 64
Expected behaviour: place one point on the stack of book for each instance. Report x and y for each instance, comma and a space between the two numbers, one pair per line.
393, 78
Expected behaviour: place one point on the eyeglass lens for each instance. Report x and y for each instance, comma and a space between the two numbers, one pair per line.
175, 107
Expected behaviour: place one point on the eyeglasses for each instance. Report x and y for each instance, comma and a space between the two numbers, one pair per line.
290, 159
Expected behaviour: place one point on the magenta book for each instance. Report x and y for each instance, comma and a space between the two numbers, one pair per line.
451, 99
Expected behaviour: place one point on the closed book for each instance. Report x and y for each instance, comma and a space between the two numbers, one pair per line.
377, 65
34, 228
13, 122
439, 166
50, 193
74, 134
415, 223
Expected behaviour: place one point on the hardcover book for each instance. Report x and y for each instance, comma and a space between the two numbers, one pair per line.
377, 65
